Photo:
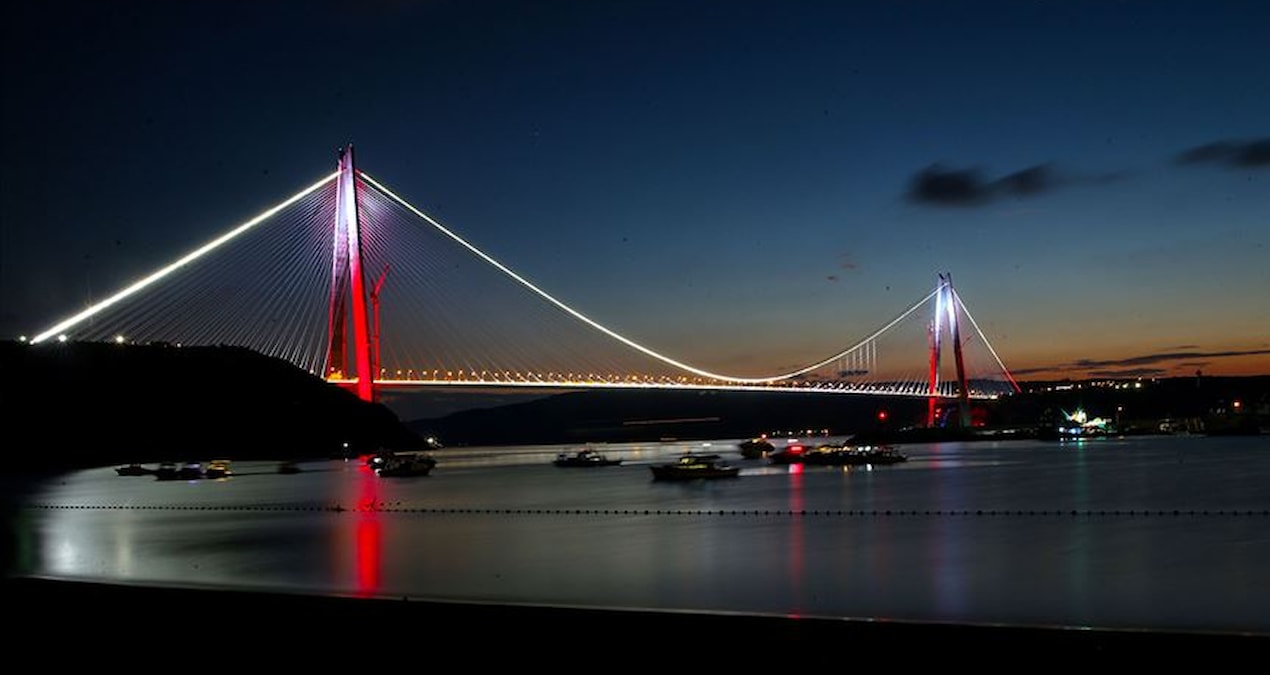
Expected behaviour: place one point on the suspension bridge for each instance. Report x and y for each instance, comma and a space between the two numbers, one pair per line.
351, 282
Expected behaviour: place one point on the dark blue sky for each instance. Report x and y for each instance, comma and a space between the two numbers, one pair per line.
1093, 174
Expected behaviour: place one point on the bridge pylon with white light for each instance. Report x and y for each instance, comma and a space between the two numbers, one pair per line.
348, 282
946, 303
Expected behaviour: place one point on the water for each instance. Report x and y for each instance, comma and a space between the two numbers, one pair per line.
1168, 533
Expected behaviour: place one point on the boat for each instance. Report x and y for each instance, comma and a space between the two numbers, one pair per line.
756, 448
790, 454
133, 470
853, 455
191, 471
217, 468
586, 457
186, 471
403, 464
693, 466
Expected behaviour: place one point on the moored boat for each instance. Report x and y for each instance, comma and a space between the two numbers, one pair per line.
586, 457
133, 470
693, 466
853, 455
217, 468
846, 454
174, 471
403, 464
191, 471
790, 454
756, 448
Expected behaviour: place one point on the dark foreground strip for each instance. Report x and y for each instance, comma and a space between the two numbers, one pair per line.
392, 508
116, 621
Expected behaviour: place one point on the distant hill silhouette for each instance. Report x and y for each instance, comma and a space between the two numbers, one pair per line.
82, 404
651, 415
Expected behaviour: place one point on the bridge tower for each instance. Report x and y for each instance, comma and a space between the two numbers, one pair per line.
347, 279
946, 302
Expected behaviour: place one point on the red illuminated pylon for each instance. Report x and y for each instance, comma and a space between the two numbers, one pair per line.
347, 279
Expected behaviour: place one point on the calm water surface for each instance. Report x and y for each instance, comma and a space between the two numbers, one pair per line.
1145, 533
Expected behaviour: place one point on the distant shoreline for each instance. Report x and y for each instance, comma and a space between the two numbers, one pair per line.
643, 416
96, 404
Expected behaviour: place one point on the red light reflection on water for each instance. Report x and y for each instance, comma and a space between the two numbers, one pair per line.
368, 534
796, 506
795, 469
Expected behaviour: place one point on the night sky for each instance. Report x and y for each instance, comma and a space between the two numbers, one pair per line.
1094, 175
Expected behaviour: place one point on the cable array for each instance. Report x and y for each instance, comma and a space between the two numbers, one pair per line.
445, 312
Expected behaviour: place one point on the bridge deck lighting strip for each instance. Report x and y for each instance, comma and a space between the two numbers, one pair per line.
185, 260
597, 326
505, 384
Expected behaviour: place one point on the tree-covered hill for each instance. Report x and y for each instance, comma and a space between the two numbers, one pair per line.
81, 404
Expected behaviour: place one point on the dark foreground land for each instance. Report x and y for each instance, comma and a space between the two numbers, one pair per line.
322, 630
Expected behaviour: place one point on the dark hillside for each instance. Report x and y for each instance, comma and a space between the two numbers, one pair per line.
651, 415
92, 404
1203, 405
1211, 404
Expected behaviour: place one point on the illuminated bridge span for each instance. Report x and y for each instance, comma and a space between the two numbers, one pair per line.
304, 282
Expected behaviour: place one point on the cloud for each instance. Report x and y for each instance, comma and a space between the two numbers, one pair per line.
846, 262
1019, 372
1030, 181
1237, 154
939, 186
1148, 359
1144, 365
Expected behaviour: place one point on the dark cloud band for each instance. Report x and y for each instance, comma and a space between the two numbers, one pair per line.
939, 186
1253, 153
1148, 359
